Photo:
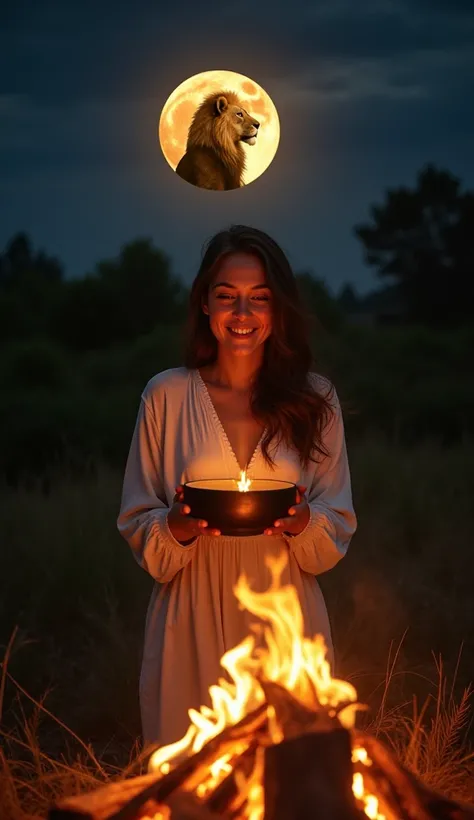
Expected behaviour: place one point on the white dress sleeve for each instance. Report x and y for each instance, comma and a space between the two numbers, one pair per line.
332, 523
143, 517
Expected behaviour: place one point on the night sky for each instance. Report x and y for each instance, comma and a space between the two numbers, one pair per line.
367, 92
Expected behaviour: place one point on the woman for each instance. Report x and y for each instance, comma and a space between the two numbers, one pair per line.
246, 400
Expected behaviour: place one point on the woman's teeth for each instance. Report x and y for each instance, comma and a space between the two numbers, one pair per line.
241, 331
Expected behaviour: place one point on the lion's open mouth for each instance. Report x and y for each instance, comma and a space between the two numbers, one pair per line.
250, 139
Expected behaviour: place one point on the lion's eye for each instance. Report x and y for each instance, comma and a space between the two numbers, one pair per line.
239, 114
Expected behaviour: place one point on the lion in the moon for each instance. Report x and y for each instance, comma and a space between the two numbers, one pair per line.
215, 157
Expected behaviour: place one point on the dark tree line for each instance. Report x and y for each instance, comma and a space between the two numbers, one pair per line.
122, 299
420, 240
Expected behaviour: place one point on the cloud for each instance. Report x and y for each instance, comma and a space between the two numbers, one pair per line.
80, 48
463, 8
85, 133
347, 82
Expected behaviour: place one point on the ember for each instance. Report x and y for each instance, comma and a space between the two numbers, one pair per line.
278, 743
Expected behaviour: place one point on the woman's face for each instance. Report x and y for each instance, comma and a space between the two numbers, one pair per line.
239, 304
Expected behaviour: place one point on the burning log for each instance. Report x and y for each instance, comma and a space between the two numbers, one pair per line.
185, 806
400, 792
294, 718
227, 791
101, 803
310, 776
311, 769
185, 776
189, 773
104, 804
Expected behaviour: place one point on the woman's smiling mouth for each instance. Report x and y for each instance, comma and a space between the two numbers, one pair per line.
241, 331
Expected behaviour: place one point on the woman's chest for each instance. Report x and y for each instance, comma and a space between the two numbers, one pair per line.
204, 437
235, 421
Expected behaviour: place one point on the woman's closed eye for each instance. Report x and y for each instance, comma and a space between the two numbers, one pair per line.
227, 296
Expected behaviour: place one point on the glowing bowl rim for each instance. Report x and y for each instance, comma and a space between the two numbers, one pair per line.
288, 485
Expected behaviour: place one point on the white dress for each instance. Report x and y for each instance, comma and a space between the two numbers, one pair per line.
193, 615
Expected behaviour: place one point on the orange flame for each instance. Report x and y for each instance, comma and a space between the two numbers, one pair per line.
369, 801
244, 483
288, 658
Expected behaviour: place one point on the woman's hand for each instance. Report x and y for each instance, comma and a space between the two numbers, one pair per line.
182, 525
298, 516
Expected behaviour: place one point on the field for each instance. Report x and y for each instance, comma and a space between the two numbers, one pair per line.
73, 600
399, 602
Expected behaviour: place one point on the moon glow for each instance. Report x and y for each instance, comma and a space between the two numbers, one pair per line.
180, 106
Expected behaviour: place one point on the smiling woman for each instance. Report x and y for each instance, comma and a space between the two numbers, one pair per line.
245, 400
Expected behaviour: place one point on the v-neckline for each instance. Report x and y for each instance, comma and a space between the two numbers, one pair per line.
210, 404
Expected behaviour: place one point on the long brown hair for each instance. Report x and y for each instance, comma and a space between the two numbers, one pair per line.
282, 398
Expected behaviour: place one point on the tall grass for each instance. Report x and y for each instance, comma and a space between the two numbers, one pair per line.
77, 600
431, 740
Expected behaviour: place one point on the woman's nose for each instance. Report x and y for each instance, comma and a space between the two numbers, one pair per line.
241, 308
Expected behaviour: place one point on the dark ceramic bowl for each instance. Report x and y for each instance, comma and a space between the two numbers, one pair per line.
233, 512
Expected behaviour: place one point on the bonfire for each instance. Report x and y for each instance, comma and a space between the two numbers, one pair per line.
279, 741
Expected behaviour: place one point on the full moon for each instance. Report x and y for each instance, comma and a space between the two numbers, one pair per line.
180, 106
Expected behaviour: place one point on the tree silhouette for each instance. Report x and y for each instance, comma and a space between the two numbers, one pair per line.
123, 299
18, 262
422, 237
30, 284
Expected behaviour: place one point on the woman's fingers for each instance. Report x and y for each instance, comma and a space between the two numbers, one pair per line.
286, 524
185, 509
271, 531
198, 525
279, 526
